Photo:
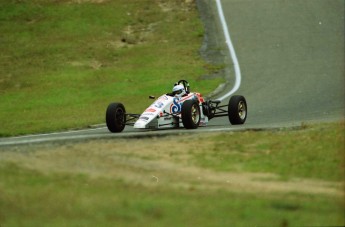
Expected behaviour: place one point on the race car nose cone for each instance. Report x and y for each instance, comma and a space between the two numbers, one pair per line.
140, 124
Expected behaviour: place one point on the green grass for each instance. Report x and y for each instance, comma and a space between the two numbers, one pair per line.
107, 182
316, 153
35, 199
63, 62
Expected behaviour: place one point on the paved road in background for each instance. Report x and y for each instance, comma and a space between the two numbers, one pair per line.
292, 58
291, 55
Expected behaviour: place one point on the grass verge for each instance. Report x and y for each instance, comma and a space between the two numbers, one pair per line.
193, 182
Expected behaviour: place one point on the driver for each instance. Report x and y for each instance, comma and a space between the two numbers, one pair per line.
178, 91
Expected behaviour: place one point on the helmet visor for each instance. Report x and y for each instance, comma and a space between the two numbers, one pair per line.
178, 92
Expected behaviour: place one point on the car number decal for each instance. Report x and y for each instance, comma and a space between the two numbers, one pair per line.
176, 106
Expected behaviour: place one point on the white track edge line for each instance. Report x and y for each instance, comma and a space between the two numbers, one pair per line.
232, 52
53, 133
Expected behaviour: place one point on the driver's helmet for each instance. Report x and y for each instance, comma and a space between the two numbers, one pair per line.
179, 91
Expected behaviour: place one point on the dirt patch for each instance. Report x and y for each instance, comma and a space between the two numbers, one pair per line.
132, 35
167, 6
155, 163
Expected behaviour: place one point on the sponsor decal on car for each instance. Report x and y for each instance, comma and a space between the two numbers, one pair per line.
147, 114
150, 110
158, 104
144, 118
175, 107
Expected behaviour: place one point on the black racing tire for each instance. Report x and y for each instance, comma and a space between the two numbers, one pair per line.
237, 110
115, 117
190, 114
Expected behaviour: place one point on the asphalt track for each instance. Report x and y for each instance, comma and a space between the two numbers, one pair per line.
291, 57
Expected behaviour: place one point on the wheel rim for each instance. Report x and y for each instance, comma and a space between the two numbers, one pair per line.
119, 117
195, 114
242, 110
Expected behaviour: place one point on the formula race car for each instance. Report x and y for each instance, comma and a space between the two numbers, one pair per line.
181, 108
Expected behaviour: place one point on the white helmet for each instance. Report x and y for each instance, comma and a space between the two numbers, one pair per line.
179, 90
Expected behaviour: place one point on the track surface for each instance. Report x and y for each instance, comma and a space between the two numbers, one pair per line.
291, 55
292, 58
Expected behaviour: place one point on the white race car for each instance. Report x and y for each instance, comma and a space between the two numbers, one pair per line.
169, 111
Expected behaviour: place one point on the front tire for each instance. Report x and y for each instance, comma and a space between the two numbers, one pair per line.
237, 110
115, 117
190, 114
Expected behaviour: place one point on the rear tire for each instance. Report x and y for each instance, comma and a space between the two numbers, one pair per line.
115, 117
237, 110
190, 114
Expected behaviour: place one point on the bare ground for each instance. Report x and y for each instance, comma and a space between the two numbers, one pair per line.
154, 163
